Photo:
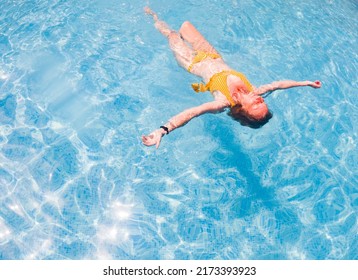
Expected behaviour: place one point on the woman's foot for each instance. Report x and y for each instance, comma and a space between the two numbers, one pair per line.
148, 11
160, 25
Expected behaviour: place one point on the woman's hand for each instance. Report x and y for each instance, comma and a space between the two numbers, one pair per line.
153, 139
315, 84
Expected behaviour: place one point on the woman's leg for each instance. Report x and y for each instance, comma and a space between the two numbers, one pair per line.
160, 25
195, 38
182, 52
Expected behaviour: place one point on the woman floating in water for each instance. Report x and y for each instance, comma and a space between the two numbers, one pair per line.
229, 88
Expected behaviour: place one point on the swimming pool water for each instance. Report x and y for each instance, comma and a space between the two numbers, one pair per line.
81, 81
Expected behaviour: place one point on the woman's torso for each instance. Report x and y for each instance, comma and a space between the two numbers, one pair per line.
209, 67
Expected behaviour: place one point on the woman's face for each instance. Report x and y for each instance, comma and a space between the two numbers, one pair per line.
254, 106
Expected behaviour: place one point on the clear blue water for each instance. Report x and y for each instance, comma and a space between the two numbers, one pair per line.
81, 81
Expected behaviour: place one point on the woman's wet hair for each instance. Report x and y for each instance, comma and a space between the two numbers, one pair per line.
240, 115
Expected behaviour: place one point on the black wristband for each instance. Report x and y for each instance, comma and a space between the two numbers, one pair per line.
165, 128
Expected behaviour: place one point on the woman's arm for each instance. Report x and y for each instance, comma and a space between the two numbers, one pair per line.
284, 85
181, 119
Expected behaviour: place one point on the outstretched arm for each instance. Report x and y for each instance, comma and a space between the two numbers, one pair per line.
284, 85
181, 119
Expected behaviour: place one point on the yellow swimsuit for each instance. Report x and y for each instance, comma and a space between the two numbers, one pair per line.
219, 80
200, 56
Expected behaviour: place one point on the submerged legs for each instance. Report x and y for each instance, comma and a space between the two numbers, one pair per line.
182, 52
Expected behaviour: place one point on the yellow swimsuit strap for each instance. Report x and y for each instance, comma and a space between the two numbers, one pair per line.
219, 82
243, 79
200, 56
